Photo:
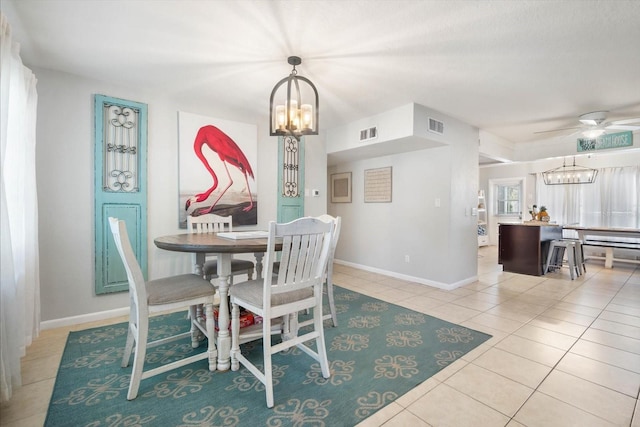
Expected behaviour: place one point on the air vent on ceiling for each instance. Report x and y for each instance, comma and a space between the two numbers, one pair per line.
436, 126
367, 134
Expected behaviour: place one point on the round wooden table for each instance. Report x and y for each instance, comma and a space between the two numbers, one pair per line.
223, 248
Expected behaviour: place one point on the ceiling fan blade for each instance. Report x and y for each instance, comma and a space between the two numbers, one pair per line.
625, 121
623, 127
558, 130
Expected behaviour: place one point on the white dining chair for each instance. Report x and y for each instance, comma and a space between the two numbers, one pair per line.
306, 244
328, 276
160, 296
212, 223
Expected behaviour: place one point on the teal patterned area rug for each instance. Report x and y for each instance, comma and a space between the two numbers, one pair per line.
378, 352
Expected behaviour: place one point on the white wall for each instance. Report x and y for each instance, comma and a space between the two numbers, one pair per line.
495, 147
64, 156
441, 242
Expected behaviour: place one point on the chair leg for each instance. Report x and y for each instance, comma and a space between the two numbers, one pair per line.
138, 358
580, 254
577, 258
268, 369
549, 258
290, 326
211, 335
235, 339
332, 304
320, 344
195, 314
571, 261
558, 258
576, 266
128, 348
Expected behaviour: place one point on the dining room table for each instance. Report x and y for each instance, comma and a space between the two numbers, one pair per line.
223, 246
608, 238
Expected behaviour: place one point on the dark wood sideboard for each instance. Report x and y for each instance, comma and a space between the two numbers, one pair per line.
523, 248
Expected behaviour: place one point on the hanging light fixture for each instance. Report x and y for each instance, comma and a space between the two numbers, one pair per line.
565, 175
294, 111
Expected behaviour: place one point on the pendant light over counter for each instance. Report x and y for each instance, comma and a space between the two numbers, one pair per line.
566, 175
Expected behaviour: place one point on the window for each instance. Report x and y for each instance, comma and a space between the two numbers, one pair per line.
508, 198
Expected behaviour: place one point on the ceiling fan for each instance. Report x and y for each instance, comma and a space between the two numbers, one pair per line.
595, 124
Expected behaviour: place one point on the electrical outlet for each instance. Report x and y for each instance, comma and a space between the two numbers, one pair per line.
407, 259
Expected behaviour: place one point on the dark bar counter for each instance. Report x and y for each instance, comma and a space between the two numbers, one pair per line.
523, 248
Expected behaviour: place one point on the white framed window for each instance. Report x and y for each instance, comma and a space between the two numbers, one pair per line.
508, 197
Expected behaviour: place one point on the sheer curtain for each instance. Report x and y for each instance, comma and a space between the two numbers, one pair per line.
19, 273
612, 201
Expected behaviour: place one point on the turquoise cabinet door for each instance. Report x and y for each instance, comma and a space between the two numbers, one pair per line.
120, 186
290, 178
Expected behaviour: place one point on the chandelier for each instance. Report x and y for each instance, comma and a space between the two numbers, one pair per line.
565, 175
294, 111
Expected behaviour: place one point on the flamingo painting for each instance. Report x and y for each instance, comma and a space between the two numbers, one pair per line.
230, 154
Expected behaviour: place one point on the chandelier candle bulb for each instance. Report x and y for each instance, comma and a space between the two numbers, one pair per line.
307, 117
279, 118
293, 115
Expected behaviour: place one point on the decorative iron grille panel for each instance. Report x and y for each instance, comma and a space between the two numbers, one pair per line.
121, 146
291, 164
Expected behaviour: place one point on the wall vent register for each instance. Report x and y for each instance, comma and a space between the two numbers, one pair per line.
368, 134
436, 126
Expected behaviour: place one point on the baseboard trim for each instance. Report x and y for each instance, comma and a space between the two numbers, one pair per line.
420, 280
83, 318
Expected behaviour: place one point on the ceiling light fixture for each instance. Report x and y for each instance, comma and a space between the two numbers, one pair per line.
565, 175
294, 111
593, 119
593, 133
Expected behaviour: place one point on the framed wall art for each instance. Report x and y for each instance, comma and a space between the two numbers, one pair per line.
377, 185
341, 187
218, 168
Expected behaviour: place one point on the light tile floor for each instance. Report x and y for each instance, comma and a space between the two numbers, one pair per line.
563, 352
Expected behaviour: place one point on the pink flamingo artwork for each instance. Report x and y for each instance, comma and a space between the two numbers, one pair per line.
229, 153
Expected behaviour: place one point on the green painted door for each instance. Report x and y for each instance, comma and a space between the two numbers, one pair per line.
120, 186
290, 178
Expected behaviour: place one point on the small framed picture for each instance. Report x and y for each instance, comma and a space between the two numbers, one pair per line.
377, 185
341, 187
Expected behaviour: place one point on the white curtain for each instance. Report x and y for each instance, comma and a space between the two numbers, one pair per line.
20, 271
612, 201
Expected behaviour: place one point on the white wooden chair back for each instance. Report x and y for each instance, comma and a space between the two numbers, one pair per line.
306, 243
137, 284
209, 223
212, 223
335, 236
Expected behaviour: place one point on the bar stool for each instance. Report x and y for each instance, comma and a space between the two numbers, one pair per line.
582, 267
555, 257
